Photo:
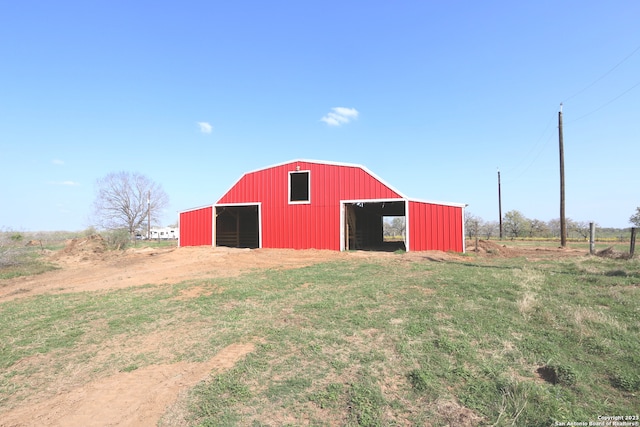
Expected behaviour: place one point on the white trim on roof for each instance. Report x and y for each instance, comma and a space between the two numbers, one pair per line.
435, 202
325, 162
397, 199
195, 209
345, 164
320, 162
238, 204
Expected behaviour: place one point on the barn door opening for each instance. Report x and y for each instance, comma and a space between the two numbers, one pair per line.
237, 226
364, 226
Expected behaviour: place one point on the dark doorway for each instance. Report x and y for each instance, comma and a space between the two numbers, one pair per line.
364, 228
237, 226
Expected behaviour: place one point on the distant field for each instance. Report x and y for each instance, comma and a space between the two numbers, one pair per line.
400, 339
616, 244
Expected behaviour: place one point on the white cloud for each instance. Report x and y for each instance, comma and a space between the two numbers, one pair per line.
57, 162
205, 127
339, 116
65, 183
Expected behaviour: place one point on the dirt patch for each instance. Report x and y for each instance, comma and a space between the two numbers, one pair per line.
612, 254
86, 265
489, 249
82, 249
197, 291
137, 398
454, 414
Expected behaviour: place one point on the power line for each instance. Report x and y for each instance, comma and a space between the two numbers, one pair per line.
603, 76
611, 101
534, 152
543, 143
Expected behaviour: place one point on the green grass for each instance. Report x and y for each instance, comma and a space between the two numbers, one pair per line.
25, 261
391, 341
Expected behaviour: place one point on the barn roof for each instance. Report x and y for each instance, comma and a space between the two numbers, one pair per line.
353, 165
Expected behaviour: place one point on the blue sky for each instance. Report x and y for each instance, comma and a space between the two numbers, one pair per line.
431, 96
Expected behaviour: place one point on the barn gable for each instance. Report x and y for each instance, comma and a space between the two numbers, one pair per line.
304, 204
328, 181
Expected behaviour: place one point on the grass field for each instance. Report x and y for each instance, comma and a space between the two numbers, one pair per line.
618, 246
381, 342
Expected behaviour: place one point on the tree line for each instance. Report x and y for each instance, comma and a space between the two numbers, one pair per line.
515, 225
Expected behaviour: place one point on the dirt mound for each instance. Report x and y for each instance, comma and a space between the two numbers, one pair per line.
87, 248
611, 253
489, 248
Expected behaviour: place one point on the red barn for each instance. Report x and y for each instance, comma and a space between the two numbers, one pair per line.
305, 204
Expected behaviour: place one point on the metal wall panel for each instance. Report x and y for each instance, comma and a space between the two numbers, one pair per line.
435, 227
196, 227
302, 225
431, 226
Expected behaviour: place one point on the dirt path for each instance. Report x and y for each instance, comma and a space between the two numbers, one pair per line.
104, 270
137, 398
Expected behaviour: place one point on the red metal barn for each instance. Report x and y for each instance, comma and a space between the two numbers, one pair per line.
305, 204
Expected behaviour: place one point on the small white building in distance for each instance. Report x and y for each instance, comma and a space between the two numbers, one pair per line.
165, 233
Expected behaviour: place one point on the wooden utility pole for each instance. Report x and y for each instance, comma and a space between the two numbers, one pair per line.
563, 221
149, 216
500, 204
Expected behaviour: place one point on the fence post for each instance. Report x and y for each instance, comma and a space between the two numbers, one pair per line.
592, 238
632, 247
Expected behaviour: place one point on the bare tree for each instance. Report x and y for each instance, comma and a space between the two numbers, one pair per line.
554, 227
538, 228
489, 228
398, 225
635, 218
395, 227
583, 228
472, 224
125, 200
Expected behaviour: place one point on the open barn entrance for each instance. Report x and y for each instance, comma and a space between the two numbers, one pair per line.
237, 226
364, 225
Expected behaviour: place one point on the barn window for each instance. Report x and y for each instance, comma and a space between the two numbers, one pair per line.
299, 187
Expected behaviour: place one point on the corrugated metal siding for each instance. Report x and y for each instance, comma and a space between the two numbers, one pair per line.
435, 227
196, 227
303, 226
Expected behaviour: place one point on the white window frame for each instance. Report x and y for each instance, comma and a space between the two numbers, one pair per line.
299, 202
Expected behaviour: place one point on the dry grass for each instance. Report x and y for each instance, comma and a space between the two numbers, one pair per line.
393, 340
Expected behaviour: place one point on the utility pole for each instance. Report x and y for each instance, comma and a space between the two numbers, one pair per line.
500, 204
149, 216
563, 221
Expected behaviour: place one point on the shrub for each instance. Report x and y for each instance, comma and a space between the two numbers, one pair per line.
117, 239
626, 381
9, 254
556, 373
